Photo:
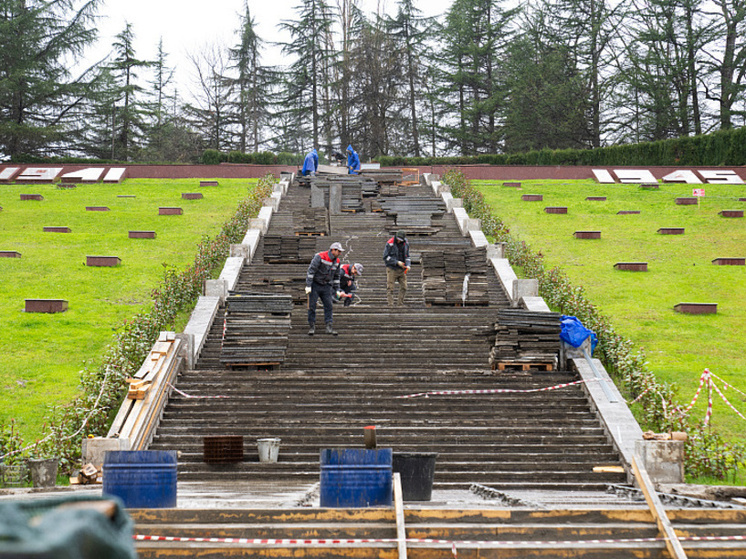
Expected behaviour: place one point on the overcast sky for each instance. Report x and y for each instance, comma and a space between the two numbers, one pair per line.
188, 25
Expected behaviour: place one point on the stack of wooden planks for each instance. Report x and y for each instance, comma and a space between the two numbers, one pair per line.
414, 214
384, 177
391, 190
311, 221
525, 340
292, 285
279, 249
456, 276
256, 330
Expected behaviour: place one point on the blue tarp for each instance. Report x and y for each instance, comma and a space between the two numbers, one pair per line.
574, 333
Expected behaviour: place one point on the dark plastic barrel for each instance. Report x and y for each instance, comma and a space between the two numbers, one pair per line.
417, 471
356, 478
141, 478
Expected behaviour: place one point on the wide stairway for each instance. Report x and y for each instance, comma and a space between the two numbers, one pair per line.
420, 375
511, 435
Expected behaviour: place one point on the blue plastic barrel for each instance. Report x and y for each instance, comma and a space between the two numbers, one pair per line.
141, 478
352, 477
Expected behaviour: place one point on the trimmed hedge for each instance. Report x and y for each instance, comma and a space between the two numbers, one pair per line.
215, 157
724, 147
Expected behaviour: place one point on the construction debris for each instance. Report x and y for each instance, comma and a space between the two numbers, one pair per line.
311, 221
455, 277
280, 249
525, 339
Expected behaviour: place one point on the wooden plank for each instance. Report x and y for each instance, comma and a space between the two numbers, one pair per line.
659, 512
401, 531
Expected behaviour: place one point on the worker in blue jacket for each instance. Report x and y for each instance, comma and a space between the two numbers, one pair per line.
353, 161
322, 280
310, 163
397, 260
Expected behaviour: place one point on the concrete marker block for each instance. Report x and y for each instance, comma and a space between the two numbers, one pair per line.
273, 203
259, 224
93, 450
496, 250
472, 224
186, 349
216, 288
524, 288
240, 251
664, 460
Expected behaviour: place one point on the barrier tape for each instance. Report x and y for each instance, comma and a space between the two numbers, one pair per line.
490, 391
738, 413
196, 397
648, 389
704, 376
453, 543
727, 385
708, 415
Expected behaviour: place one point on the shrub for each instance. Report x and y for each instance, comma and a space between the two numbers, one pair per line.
212, 157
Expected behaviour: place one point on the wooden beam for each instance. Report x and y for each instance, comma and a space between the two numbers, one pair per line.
659, 512
401, 532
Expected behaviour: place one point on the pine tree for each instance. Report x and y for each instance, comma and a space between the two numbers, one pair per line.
547, 106
129, 121
306, 76
475, 34
410, 29
39, 96
252, 85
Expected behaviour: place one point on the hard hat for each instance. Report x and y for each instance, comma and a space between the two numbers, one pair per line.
336, 246
358, 268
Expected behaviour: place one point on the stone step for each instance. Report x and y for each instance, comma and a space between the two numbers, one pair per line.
480, 533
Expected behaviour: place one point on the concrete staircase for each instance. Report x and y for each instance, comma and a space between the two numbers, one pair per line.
437, 533
330, 387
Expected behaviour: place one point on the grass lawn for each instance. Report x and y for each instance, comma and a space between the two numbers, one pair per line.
641, 304
42, 354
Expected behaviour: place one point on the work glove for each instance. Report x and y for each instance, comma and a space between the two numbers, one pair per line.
308, 290
400, 264
340, 294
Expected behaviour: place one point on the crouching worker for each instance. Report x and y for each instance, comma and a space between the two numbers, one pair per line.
322, 280
347, 281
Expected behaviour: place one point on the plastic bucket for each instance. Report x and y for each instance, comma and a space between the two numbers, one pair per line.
269, 449
356, 478
141, 478
417, 471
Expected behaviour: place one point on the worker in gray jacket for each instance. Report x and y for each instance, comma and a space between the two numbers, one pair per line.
398, 263
322, 280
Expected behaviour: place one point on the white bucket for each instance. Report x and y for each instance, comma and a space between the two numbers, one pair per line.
268, 449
